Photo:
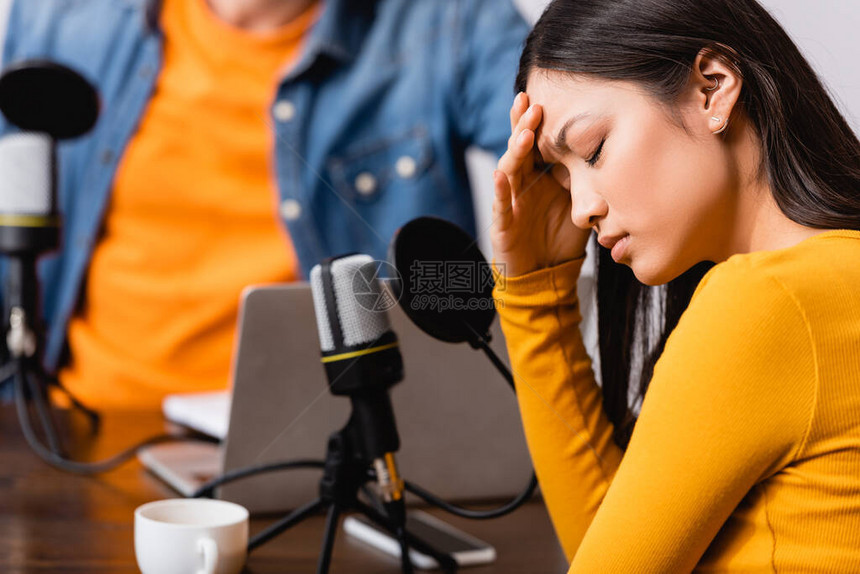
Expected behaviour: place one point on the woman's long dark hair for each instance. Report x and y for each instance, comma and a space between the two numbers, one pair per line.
811, 158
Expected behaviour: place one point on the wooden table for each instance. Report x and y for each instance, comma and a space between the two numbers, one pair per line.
51, 521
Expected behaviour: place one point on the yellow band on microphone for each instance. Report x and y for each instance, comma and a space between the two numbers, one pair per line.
353, 354
8, 220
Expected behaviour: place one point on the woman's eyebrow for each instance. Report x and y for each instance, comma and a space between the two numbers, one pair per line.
560, 143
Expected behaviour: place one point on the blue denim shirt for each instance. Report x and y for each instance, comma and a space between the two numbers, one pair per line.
379, 81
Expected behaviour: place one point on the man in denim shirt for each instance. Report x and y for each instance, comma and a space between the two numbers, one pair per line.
365, 128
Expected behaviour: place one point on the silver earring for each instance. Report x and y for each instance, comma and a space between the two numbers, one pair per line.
723, 127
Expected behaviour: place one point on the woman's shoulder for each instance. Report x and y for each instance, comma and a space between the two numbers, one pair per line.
820, 270
802, 298
756, 323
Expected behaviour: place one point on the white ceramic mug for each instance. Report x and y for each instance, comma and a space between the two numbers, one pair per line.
190, 536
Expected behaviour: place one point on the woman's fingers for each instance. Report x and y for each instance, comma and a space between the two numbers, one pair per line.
502, 202
518, 159
526, 121
529, 121
518, 108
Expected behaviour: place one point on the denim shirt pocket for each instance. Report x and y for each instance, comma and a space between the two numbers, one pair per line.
368, 172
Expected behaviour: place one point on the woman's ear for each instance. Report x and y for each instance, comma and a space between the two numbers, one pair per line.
714, 89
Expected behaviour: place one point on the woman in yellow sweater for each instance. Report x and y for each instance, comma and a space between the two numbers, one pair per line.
685, 133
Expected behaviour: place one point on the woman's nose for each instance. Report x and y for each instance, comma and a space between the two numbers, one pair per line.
587, 208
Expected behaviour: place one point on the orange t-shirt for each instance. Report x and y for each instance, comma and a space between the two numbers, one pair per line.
192, 218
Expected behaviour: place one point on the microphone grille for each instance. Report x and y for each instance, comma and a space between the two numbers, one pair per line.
26, 173
356, 287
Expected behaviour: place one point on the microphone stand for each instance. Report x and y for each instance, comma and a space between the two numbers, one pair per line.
24, 339
346, 472
479, 341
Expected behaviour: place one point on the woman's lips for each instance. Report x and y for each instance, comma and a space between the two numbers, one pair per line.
620, 248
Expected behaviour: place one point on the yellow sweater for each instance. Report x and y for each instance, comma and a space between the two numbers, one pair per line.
746, 455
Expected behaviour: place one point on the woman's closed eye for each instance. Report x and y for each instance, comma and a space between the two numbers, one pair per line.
595, 157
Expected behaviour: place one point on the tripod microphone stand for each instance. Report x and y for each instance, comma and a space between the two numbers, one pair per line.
345, 473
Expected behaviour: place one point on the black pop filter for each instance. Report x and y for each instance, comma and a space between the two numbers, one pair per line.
42, 96
446, 289
446, 283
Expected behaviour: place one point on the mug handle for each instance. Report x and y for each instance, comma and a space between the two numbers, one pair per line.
209, 550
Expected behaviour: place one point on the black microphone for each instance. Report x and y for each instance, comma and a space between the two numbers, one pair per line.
362, 359
29, 226
47, 102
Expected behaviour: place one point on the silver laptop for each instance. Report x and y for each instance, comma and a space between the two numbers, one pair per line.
460, 431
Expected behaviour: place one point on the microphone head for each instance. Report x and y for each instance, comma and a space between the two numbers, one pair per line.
26, 173
43, 96
349, 302
28, 219
360, 353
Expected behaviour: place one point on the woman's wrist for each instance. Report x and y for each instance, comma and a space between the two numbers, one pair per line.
513, 271
545, 286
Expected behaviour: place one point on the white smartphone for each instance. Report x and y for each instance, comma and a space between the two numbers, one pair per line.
466, 549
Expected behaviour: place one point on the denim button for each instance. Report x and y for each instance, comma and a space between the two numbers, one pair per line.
291, 209
365, 183
284, 111
406, 167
